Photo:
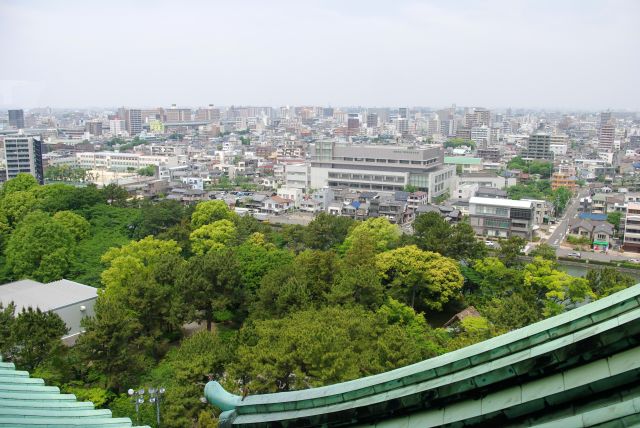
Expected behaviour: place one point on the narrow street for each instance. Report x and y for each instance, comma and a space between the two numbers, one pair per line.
562, 226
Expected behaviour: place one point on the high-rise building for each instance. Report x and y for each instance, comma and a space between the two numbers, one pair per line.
134, 121
116, 126
372, 120
353, 124
403, 113
402, 125
538, 147
16, 119
94, 127
175, 114
23, 154
210, 114
607, 137
481, 135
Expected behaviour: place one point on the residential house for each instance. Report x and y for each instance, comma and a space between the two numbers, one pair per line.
276, 205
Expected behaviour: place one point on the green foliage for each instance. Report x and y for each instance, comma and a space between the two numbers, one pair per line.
511, 249
212, 237
543, 168
39, 248
156, 218
614, 218
608, 280
319, 347
209, 212
256, 258
148, 171
383, 233
75, 224
326, 231
20, 183
34, 336
65, 173
421, 279
578, 240
16, 205
434, 233
210, 286
115, 195
545, 251
459, 142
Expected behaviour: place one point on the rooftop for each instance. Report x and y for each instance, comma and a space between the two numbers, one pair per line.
511, 203
54, 295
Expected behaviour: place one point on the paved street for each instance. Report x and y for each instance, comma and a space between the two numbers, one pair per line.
562, 226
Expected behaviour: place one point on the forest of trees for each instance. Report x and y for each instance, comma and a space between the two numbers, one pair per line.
281, 308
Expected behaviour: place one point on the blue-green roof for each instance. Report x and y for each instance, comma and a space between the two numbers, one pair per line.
28, 402
462, 160
585, 352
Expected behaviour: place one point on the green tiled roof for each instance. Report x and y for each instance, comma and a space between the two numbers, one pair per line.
28, 402
588, 351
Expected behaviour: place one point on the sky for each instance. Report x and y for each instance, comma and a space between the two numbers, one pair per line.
554, 54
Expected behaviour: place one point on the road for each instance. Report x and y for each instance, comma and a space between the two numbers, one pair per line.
563, 225
564, 252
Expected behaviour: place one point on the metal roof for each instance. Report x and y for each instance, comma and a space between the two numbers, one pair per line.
497, 202
27, 402
47, 297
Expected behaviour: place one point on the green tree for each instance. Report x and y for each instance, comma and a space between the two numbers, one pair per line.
327, 231
511, 311
561, 197
20, 183
614, 218
114, 344
75, 224
212, 236
40, 248
115, 195
210, 286
158, 217
16, 205
301, 284
141, 276
421, 279
434, 233
545, 251
148, 171
608, 280
384, 234
256, 257
35, 336
6, 327
511, 249
211, 211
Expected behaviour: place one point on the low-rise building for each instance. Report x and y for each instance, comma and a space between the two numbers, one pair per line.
632, 227
71, 301
563, 179
502, 218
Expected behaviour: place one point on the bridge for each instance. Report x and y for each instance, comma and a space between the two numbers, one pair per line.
577, 369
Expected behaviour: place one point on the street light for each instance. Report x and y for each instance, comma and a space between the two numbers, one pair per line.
153, 396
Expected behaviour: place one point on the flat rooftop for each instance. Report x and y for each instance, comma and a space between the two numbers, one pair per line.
510, 203
46, 297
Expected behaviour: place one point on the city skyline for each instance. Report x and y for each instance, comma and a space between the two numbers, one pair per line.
538, 55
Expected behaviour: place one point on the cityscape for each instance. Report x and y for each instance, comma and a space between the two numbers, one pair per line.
419, 242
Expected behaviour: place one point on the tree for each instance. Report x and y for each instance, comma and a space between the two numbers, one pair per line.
555, 290
511, 249
114, 344
20, 183
213, 236
115, 195
545, 251
16, 205
158, 217
420, 279
6, 327
210, 286
327, 231
141, 277
148, 171
40, 248
608, 280
293, 237
209, 212
75, 224
614, 218
301, 284
434, 233
357, 281
511, 311
318, 347
561, 196
384, 234
256, 257
56, 197
35, 337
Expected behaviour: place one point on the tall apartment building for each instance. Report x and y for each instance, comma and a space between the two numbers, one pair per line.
116, 126
607, 137
481, 135
380, 168
16, 119
134, 121
501, 218
353, 124
23, 154
94, 127
372, 120
538, 147
402, 125
477, 117
403, 113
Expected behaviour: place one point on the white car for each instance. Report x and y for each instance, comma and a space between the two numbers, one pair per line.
489, 243
575, 254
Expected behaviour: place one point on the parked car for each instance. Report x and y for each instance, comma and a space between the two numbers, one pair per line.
575, 254
634, 260
490, 243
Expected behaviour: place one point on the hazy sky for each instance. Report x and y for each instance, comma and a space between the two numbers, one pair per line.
553, 54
